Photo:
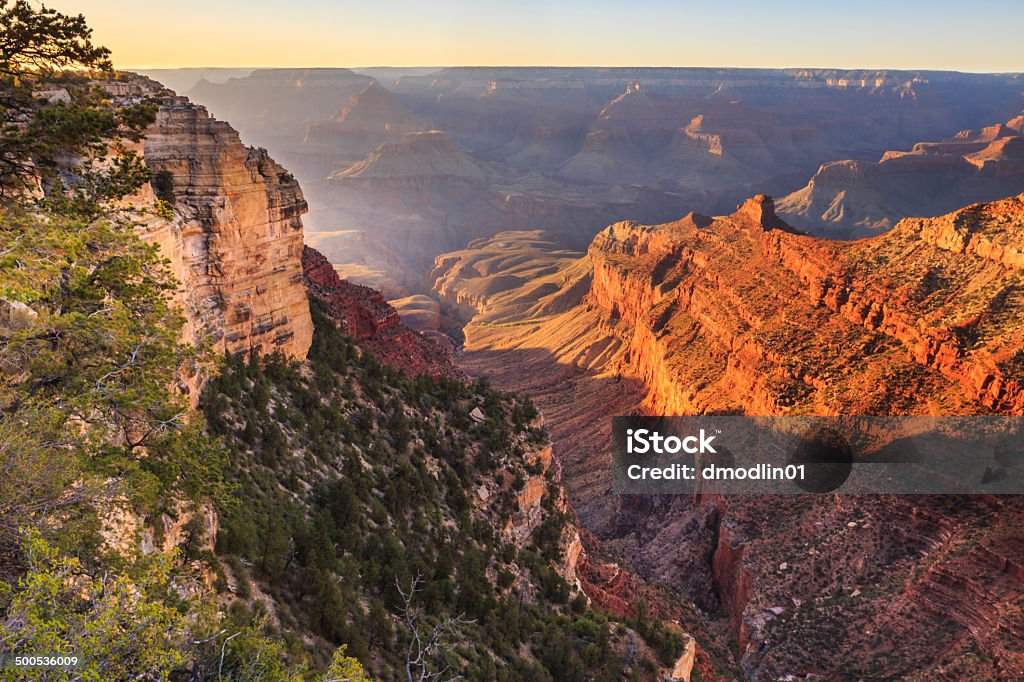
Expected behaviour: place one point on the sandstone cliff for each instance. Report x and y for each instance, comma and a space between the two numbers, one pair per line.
235, 240
741, 314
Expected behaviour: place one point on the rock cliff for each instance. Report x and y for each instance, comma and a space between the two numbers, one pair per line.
741, 314
235, 239
375, 325
850, 199
930, 310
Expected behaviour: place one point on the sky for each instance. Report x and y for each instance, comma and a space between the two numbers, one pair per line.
981, 35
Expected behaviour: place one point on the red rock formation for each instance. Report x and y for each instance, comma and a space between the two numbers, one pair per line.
669, 282
612, 587
363, 314
737, 314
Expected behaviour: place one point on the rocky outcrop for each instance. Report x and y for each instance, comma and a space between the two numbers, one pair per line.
665, 283
740, 314
612, 587
544, 478
419, 157
235, 239
364, 315
370, 118
683, 668
850, 199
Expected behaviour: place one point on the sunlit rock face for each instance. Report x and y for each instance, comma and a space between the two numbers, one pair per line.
860, 198
235, 240
741, 314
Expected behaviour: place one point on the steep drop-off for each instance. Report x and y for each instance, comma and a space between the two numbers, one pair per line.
368, 468
372, 323
741, 314
235, 238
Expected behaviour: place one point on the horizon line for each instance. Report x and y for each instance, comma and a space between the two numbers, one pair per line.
1010, 72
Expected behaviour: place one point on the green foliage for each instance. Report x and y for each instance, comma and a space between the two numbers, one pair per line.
337, 481
86, 367
89, 344
89, 353
382, 473
34, 40
121, 627
129, 626
241, 654
103, 341
35, 45
344, 668
668, 643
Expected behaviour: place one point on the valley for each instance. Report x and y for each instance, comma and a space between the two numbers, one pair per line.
308, 370
739, 314
400, 166
606, 254
479, 201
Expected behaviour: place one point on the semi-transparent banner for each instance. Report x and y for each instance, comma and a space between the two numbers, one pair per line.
793, 455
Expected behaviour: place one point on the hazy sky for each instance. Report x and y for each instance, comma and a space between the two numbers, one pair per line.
980, 35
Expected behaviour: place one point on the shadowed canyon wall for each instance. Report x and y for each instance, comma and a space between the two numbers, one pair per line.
849, 199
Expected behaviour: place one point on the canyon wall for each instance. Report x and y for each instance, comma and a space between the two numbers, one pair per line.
741, 314
235, 239
850, 199
785, 316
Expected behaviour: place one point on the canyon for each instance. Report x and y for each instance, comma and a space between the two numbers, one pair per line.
414, 300
234, 239
402, 165
231, 228
737, 313
850, 199
323, 404
742, 314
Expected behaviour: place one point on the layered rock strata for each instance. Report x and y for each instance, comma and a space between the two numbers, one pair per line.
856, 198
741, 314
366, 316
235, 239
